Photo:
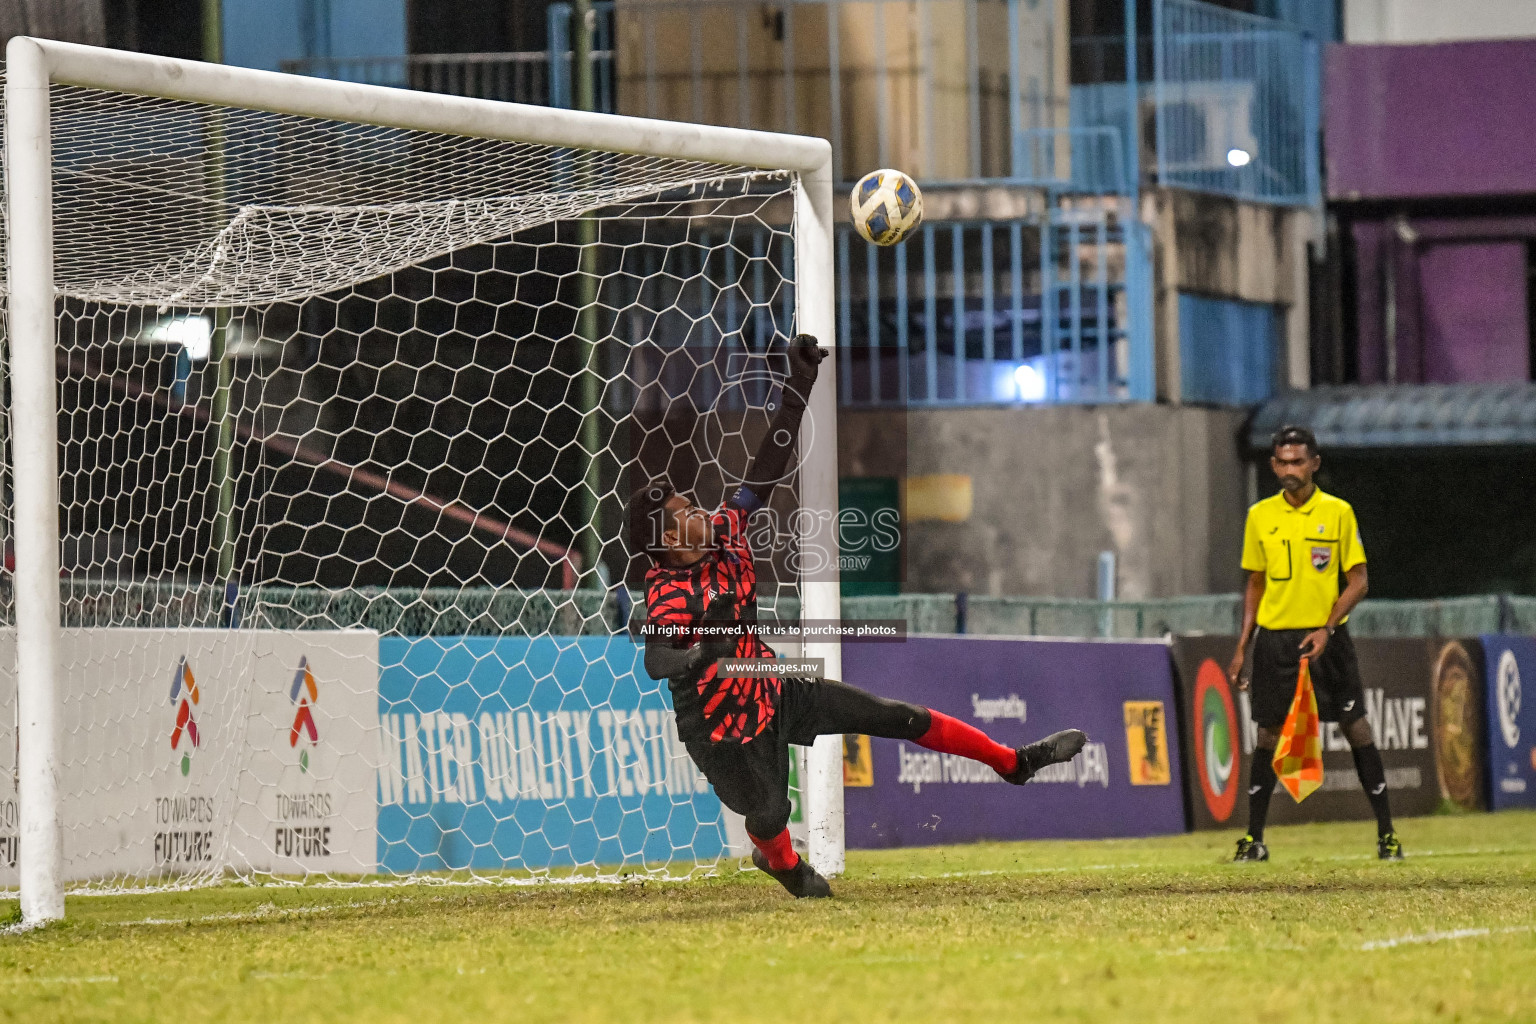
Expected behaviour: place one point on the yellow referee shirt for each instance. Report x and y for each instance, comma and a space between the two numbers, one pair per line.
1301, 552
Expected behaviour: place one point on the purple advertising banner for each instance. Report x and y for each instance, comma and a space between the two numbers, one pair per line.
1125, 783
1510, 661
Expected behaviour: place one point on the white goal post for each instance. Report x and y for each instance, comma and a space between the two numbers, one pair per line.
36, 69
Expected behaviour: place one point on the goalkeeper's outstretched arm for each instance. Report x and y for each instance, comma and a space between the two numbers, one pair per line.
772, 459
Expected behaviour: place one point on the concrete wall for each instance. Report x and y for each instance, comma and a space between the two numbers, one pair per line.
1226, 248
1433, 21
1051, 487
75, 21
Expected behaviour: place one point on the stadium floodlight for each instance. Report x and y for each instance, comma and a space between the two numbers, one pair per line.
415, 255
1030, 382
193, 333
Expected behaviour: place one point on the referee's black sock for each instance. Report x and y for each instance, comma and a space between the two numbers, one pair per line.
1261, 784
1373, 779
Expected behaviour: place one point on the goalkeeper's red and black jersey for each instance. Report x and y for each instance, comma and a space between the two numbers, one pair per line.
730, 709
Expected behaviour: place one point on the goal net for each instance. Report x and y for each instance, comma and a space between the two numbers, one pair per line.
321, 434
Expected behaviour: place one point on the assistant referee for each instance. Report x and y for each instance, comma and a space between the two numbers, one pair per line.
1295, 546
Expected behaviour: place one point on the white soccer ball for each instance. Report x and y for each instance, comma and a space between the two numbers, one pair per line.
886, 206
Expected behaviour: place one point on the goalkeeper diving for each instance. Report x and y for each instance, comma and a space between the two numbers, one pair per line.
702, 593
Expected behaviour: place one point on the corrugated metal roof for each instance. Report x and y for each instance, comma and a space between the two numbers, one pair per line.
1404, 415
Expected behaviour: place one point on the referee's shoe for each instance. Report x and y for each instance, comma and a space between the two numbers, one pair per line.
1249, 848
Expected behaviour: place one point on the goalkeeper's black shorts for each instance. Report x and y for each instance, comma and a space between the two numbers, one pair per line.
752, 778
1276, 661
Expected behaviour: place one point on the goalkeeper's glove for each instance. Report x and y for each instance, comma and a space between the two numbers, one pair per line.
805, 357
715, 644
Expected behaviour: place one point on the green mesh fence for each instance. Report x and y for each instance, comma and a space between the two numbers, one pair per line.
924, 613
484, 611
1449, 616
1033, 616
1520, 614
480, 611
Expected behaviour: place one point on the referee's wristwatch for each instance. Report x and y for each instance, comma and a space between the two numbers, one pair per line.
1331, 630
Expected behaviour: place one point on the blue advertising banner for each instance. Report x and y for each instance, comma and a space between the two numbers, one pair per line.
1125, 783
1511, 720
532, 752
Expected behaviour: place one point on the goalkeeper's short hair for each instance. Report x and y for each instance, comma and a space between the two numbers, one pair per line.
647, 515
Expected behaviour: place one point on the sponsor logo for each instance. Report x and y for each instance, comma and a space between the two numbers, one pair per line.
303, 694
184, 697
1348, 705
1322, 557
1216, 757
990, 709
919, 768
1146, 739
1398, 722
441, 757
858, 762
302, 841
1507, 696
184, 835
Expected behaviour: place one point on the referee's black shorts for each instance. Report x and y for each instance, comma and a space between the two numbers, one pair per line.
1276, 662
752, 778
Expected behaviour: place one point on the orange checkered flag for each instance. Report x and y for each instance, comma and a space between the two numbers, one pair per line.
1299, 754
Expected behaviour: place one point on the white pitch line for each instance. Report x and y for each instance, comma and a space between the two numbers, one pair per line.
1451, 936
1416, 855
264, 912
94, 979
1280, 947
1025, 871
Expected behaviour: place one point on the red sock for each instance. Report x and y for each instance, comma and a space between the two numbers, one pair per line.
781, 856
952, 736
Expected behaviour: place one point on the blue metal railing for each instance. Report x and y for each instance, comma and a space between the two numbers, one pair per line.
1085, 158
1039, 310
1034, 310
1237, 102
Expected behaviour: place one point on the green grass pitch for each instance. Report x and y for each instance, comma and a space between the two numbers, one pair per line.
1143, 931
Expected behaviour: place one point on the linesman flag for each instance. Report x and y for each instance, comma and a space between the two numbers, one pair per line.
1299, 754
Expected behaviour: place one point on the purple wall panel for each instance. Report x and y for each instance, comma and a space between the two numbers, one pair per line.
1018, 690
1456, 286
1449, 119
1472, 312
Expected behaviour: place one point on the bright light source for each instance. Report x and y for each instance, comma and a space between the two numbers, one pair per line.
1238, 157
193, 333
1031, 383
